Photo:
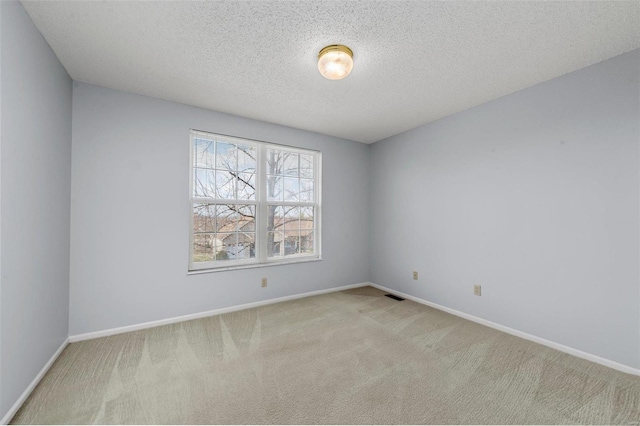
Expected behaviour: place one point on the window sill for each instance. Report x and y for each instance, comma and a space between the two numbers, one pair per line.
254, 265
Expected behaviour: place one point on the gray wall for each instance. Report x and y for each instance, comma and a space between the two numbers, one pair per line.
130, 213
535, 196
2, 412
35, 197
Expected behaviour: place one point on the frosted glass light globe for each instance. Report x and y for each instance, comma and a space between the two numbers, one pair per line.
335, 62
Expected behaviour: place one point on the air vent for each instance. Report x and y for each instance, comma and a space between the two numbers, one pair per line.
394, 297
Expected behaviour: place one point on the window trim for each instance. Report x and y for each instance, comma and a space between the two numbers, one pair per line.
261, 259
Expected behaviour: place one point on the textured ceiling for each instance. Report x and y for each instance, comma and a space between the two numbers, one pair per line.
415, 62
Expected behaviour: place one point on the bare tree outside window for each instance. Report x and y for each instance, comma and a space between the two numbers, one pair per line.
227, 202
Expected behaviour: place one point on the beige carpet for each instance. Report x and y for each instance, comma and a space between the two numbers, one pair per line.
348, 357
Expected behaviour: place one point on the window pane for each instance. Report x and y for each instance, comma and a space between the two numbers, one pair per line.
247, 218
306, 166
203, 153
246, 246
291, 189
290, 164
274, 162
223, 245
306, 241
204, 183
275, 246
275, 218
226, 218
291, 242
202, 247
246, 186
306, 190
225, 185
292, 218
306, 218
226, 156
204, 218
274, 188
247, 159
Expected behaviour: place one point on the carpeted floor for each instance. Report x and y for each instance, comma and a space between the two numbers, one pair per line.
348, 357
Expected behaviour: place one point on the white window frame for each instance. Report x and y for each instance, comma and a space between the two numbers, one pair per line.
261, 259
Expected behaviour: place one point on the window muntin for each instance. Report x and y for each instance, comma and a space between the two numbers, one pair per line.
252, 203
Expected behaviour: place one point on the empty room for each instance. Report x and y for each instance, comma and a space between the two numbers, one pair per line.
345, 212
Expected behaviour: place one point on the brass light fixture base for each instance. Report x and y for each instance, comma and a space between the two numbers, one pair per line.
334, 48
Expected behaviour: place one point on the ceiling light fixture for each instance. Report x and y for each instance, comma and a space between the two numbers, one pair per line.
335, 62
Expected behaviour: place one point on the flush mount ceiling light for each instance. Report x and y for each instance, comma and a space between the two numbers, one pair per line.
335, 62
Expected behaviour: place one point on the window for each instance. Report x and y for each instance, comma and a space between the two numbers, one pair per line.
252, 203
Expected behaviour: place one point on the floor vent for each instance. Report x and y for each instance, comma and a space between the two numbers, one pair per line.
393, 296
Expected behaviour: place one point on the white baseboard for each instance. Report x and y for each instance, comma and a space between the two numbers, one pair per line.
150, 324
562, 348
14, 409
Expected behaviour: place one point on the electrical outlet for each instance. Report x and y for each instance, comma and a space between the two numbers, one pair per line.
415, 275
477, 290
264, 282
